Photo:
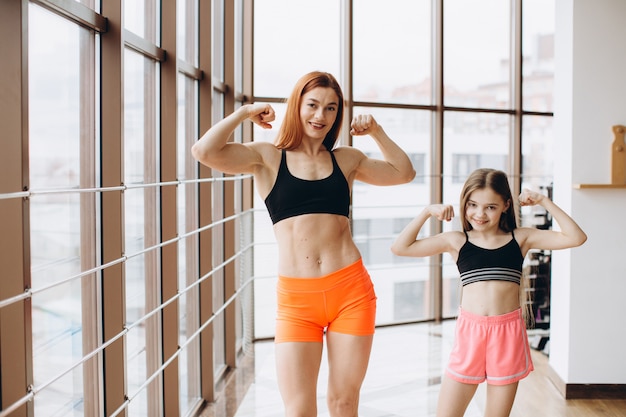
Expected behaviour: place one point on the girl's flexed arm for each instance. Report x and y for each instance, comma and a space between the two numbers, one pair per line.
570, 235
407, 244
214, 150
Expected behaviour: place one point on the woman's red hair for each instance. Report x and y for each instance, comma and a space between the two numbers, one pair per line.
290, 133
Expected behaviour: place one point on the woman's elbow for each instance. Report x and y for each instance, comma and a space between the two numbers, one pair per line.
397, 250
410, 175
201, 154
404, 176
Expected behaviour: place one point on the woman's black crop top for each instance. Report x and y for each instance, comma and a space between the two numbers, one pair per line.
479, 264
292, 196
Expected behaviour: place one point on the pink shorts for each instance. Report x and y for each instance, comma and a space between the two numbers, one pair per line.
343, 302
491, 348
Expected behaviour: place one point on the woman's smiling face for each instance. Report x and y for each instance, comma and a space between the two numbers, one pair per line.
318, 112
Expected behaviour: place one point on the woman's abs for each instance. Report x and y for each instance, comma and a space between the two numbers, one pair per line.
313, 247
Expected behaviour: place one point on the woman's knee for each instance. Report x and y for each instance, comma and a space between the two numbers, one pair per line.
345, 405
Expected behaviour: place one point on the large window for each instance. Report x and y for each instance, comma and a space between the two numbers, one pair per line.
444, 80
392, 52
126, 283
62, 245
131, 274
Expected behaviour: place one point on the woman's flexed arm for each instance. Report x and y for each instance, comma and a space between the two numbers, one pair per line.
214, 150
396, 168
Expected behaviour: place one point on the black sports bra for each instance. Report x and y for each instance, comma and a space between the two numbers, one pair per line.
479, 264
292, 196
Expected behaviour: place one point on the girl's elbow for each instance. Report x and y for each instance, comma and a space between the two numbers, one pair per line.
577, 240
195, 151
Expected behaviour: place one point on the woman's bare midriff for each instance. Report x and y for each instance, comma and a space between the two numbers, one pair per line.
314, 245
490, 298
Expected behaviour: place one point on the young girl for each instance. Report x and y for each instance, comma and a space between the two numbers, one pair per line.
491, 342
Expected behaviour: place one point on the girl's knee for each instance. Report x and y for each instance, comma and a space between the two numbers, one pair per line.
300, 410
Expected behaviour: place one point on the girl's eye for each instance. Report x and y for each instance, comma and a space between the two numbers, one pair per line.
331, 108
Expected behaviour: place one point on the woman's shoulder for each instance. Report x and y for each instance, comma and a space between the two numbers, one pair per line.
263, 146
268, 151
349, 155
348, 151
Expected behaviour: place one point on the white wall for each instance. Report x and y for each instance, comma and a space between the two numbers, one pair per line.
588, 318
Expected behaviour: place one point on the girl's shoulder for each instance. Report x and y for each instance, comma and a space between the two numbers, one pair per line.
522, 233
455, 238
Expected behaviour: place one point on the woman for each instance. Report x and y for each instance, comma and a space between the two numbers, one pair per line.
490, 342
323, 286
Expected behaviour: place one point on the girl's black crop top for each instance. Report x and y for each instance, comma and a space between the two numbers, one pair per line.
479, 264
292, 196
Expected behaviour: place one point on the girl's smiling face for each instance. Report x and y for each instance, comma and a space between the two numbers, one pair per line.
484, 208
318, 112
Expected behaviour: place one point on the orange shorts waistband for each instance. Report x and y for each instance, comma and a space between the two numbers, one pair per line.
325, 281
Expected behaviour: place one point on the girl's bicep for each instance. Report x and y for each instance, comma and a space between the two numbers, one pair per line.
546, 240
429, 246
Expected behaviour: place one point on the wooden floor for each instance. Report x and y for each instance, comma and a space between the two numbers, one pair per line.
537, 396
402, 381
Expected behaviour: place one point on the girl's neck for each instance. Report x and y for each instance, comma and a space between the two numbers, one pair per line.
488, 237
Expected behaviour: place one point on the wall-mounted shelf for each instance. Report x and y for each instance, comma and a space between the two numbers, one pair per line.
618, 162
581, 186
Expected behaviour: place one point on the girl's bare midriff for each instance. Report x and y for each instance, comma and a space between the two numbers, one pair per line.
314, 245
490, 298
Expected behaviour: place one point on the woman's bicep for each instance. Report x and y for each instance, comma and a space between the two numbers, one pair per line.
233, 158
378, 172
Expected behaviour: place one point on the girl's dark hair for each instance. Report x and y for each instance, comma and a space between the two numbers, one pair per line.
497, 181
290, 133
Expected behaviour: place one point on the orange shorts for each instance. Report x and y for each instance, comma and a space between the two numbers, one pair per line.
491, 348
342, 302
